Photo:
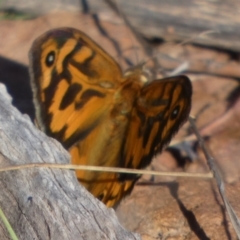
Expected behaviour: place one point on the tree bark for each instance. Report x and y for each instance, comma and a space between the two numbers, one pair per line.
43, 203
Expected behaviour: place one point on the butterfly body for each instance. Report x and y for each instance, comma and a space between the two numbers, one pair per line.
102, 117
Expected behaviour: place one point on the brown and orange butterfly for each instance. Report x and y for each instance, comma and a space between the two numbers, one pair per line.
101, 116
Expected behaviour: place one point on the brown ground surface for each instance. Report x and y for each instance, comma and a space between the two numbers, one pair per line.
166, 208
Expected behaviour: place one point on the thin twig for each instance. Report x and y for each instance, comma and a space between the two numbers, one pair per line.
210, 160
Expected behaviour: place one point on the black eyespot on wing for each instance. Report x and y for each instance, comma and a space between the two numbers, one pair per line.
175, 112
49, 61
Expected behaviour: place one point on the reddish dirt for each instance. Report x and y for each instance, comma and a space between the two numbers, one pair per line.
166, 208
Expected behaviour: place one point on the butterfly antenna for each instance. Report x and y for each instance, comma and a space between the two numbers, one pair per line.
184, 66
205, 33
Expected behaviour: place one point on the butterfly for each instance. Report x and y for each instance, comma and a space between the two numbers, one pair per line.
103, 117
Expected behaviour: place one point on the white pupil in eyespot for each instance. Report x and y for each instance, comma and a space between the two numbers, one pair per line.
50, 58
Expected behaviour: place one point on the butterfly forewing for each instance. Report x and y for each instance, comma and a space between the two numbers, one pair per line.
67, 71
101, 117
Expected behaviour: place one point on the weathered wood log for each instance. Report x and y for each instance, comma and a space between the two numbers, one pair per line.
43, 203
171, 20
209, 23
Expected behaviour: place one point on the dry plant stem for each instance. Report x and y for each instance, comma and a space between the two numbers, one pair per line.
105, 169
8, 226
210, 160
